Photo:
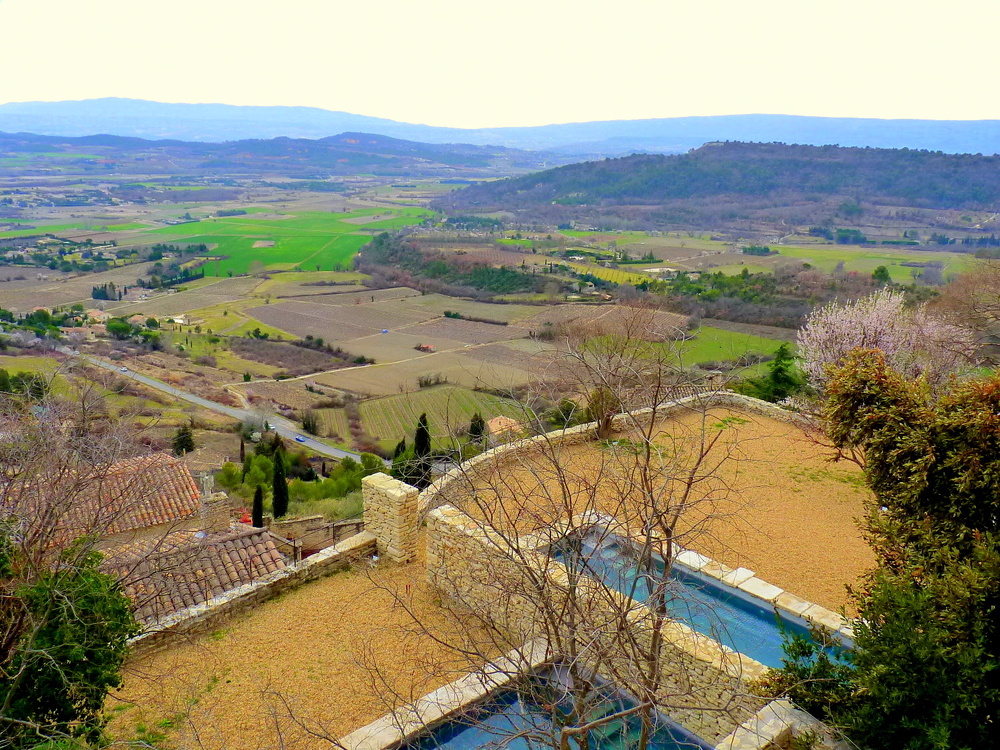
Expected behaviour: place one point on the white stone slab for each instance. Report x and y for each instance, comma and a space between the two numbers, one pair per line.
793, 604
761, 589
825, 618
737, 576
716, 569
691, 559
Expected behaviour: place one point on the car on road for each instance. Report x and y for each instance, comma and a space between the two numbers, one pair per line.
122, 369
299, 439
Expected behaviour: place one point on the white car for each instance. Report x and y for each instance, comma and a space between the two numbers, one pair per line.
122, 369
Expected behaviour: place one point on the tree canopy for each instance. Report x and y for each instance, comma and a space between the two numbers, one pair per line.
927, 640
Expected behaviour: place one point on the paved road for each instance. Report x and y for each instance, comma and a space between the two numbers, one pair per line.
284, 427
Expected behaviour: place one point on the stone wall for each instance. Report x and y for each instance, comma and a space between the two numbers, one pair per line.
450, 487
390, 513
530, 596
216, 611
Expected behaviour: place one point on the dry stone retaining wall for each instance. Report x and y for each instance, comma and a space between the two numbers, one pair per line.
702, 681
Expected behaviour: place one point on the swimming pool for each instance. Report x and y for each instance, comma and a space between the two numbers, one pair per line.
704, 604
521, 720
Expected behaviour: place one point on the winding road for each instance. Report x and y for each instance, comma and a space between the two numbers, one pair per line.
284, 427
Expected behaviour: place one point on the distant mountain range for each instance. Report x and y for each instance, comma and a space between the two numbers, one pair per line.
222, 122
343, 154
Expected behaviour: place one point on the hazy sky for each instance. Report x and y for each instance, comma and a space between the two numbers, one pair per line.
470, 63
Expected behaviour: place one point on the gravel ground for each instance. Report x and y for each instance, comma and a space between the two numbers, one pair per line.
322, 660
768, 499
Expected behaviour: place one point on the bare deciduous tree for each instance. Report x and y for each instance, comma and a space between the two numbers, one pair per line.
518, 552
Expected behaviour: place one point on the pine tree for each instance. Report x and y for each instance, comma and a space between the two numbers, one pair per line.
258, 507
781, 381
279, 498
183, 440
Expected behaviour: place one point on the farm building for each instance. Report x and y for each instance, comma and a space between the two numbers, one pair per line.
502, 429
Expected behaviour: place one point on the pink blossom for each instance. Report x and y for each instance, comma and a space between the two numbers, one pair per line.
914, 342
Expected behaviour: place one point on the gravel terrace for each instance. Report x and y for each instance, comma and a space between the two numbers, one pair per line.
769, 500
313, 646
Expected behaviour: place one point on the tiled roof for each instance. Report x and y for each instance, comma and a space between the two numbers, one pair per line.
189, 568
147, 491
500, 425
127, 496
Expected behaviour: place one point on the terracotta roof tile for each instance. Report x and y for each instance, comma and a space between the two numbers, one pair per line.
194, 568
133, 494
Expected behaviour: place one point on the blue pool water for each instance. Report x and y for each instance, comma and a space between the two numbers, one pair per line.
514, 721
709, 607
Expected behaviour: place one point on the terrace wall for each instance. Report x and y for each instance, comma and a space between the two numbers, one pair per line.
475, 569
216, 611
390, 512
452, 486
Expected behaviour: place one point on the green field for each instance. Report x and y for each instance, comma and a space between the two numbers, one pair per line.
74, 227
308, 240
447, 407
866, 259
41, 229
715, 344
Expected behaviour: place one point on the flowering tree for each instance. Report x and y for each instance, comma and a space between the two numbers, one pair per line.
914, 342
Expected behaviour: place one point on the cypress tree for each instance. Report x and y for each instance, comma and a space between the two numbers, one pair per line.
422, 438
477, 428
400, 449
183, 440
279, 498
258, 507
421, 453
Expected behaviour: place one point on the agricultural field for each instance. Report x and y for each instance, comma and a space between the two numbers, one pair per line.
438, 304
701, 253
715, 345
608, 316
334, 425
309, 240
614, 275
401, 377
448, 408
203, 293
863, 259
62, 289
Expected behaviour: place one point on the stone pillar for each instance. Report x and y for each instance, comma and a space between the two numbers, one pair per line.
215, 516
390, 508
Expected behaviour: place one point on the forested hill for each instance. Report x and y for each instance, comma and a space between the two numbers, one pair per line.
899, 176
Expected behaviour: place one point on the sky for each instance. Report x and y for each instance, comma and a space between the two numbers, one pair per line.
472, 63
